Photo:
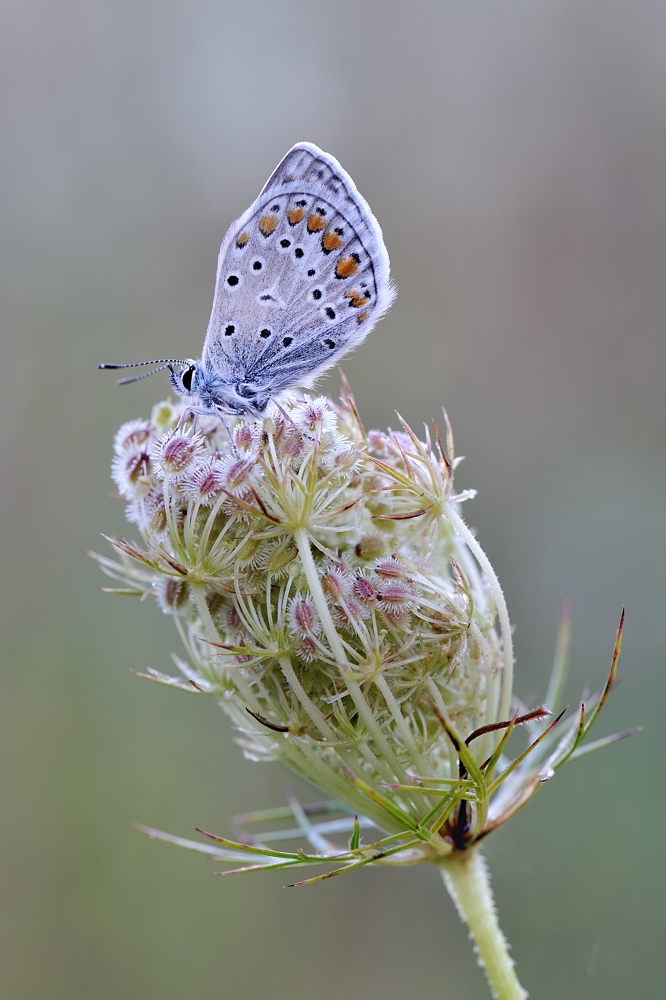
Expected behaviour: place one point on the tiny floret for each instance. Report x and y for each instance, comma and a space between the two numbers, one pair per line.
365, 589
247, 437
176, 453
205, 481
131, 472
303, 619
336, 582
313, 413
239, 473
390, 569
132, 436
171, 594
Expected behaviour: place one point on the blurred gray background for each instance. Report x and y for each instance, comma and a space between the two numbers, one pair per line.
515, 155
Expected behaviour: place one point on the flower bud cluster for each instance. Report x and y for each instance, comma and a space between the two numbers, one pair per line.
324, 589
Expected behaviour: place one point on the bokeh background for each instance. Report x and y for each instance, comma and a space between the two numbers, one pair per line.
515, 155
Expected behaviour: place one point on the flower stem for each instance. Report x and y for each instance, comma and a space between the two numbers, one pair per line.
466, 877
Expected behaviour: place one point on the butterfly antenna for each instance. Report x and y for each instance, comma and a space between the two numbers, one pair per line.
162, 362
137, 378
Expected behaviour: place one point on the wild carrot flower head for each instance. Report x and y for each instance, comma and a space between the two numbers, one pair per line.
332, 598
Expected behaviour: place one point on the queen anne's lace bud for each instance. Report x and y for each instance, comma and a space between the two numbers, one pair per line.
335, 602
303, 618
205, 482
176, 453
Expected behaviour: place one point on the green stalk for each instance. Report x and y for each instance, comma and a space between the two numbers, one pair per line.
466, 877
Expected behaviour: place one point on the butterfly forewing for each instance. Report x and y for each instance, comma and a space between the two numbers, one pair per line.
302, 277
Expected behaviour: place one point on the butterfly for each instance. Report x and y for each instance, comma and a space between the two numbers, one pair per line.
302, 277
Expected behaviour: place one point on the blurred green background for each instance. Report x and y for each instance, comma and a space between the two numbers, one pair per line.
515, 155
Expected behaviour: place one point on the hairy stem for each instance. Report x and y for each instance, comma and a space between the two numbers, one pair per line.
466, 877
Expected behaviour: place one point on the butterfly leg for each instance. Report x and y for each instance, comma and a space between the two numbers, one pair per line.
179, 423
220, 414
289, 420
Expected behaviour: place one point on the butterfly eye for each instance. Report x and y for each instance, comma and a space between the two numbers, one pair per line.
186, 378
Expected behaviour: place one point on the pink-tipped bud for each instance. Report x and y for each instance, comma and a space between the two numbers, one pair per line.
314, 413
303, 618
204, 482
127, 471
335, 582
246, 436
171, 594
396, 593
365, 590
291, 444
349, 613
132, 436
174, 454
239, 472
307, 648
390, 569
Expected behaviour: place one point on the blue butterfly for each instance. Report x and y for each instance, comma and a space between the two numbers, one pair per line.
302, 277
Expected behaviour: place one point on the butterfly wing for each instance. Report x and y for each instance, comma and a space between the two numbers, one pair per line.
302, 277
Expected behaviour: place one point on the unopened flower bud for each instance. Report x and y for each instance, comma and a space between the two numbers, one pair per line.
132, 436
175, 453
303, 618
128, 470
171, 594
205, 481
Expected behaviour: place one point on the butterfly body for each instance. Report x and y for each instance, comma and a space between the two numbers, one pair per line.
228, 392
302, 277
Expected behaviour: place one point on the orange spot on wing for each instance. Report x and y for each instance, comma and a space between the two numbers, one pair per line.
316, 222
362, 316
331, 241
346, 268
267, 224
357, 299
242, 239
295, 215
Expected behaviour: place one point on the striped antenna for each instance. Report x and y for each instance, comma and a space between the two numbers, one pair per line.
162, 362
